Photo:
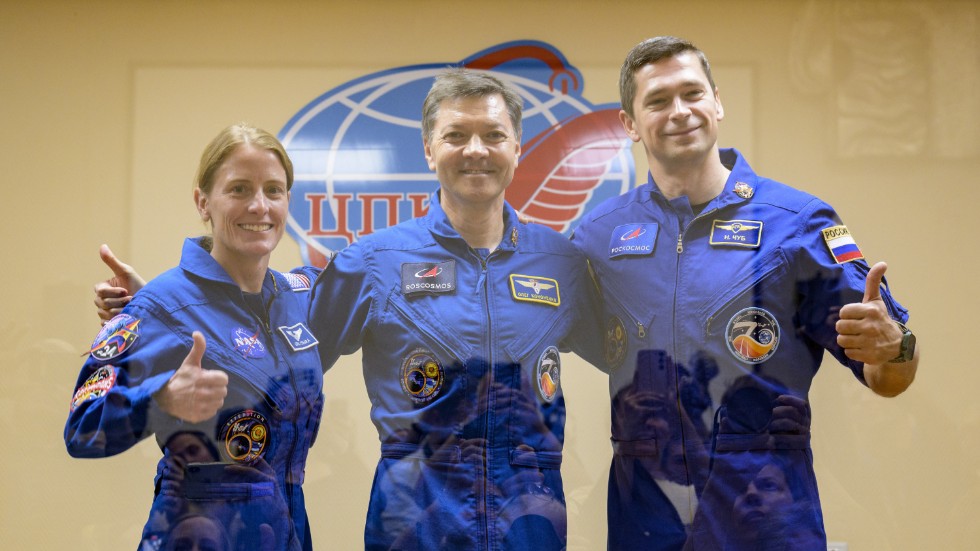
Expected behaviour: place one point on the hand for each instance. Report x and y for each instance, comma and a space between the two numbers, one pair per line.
790, 415
114, 293
865, 330
194, 394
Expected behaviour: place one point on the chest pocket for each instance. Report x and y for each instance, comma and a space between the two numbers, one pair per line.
755, 285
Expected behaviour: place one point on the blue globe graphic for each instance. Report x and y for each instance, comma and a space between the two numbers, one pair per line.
358, 155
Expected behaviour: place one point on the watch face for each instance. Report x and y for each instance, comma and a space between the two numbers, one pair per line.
907, 349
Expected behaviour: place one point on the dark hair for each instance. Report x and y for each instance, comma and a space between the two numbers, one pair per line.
464, 83
650, 51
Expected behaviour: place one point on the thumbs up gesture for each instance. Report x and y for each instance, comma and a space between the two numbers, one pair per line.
194, 394
114, 293
865, 330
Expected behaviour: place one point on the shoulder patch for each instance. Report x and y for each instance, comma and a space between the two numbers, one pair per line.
297, 282
841, 244
115, 338
98, 384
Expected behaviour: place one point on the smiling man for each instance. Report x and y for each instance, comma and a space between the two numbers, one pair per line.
461, 315
721, 289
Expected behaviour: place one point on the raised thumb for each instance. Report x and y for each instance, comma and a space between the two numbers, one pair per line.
118, 268
872, 285
193, 358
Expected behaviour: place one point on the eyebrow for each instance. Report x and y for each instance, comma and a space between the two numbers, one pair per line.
682, 85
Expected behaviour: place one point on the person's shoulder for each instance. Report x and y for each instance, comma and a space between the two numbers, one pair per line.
539, 237
782, 195
299, 279
170, 282
615, 206
407, 234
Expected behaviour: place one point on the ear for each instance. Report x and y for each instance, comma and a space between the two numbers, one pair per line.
201, 202
629, 125
718, 106
428, 155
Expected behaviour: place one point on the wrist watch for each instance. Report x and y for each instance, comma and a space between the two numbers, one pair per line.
907, 349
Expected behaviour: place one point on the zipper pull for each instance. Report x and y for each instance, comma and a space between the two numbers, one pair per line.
680, 244
640, 330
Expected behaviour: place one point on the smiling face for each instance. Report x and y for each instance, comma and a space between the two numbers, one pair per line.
675, 112
247, 206
473, 150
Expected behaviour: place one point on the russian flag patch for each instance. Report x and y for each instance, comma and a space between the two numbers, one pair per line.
841, 244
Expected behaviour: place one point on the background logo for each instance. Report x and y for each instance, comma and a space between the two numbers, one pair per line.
359, 165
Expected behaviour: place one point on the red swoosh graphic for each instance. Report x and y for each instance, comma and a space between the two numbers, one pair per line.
561, 167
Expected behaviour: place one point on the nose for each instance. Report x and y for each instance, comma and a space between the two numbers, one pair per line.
259, 203
475, 147
752, 497
680, 108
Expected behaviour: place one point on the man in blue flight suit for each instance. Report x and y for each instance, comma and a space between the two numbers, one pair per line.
721, 291
461, 315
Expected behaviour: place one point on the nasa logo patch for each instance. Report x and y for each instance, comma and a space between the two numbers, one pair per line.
115, 338
543, 290
615, 342
246, 435
97, 385
633, 239
247, 343
548, 374
752, 335
422, 376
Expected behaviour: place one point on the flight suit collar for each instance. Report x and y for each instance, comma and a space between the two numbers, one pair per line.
438, 224
740, 187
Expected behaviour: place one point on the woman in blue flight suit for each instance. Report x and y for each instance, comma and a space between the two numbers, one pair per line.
236, 450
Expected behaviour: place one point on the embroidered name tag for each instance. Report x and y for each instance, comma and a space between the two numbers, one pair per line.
633, 239
298, 337
428, 277
737, 233
841, 244
535, 289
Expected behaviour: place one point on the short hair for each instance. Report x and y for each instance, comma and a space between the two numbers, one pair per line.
464, 83
650, 51
227, 141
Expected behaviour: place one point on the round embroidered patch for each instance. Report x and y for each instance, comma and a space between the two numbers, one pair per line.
752, 335
97, 385
246, 435
548, 374
247, 342
116, 337
422, 376
615, 342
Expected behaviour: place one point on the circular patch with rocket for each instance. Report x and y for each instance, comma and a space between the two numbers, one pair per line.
752, 335
548, 374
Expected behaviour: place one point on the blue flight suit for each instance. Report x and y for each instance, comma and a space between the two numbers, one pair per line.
244, 467
462, 366
716, 324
